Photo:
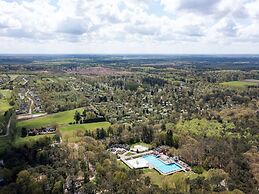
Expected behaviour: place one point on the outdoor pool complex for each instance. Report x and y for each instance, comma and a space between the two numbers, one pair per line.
161, 166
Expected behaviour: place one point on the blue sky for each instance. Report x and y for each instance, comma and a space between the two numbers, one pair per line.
132, 26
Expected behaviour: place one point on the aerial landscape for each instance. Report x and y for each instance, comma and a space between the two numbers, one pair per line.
96, 100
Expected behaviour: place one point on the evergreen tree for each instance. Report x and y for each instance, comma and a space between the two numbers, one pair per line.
77, 116
169, 138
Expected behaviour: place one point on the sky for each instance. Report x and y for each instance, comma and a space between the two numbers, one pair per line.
129, 26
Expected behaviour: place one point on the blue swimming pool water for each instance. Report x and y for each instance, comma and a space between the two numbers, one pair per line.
161, 166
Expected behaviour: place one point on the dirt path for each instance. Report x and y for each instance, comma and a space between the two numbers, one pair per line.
31, 104
30, 116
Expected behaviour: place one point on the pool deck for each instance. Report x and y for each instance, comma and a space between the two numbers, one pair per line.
128, 160
171, 172
136, 161
136, 155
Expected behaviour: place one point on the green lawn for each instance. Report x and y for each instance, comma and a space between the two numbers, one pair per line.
4, 102
241, 84
61, 118
4, 105
85, 127
68, 131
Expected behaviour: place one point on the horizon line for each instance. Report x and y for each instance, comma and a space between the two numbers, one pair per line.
166, 54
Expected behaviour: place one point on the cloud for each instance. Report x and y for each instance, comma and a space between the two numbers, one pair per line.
73, 26
198, 6
131, 22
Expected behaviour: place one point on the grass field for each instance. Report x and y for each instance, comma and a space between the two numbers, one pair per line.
4, 106
61, 118
240, 84
4, 103
70, 132
85, 127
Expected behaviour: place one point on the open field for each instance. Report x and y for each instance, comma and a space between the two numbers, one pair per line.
240, 84
61, 118
68, 132
4, 104
73, 133
85, 127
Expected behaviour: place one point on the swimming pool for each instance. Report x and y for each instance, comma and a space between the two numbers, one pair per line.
160, 165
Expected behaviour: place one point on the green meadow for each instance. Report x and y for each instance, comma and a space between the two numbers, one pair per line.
61, 118
84, 127
240, 84
4, 105
4, 101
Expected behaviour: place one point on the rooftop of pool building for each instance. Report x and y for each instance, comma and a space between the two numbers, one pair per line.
161, 166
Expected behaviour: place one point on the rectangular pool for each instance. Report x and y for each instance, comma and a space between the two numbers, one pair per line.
160, 165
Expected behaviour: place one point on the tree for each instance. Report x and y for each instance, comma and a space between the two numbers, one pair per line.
100, 133
85, 114
163, 127
147, 134
88, 188
27, 183
109, 131
91, 115
58, 188
24, 132
77, 116
169, 138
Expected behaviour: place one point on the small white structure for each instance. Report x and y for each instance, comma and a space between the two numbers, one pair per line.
139, 148
137, 163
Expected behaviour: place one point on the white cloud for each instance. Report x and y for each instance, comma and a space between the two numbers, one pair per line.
129, 23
